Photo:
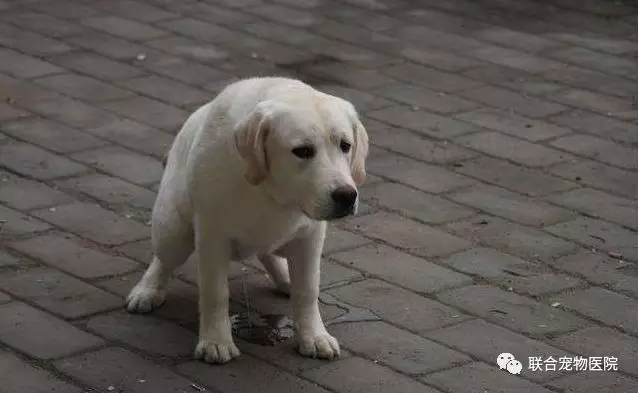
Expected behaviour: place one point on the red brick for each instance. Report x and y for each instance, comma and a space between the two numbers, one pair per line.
404, 308
95, 223
416, 274
479, 377
356, 375
116, 369
16, 223
112, 190
30, 331
396, 348
82, 87
416, 174
151, 112
144, 332
509, 271
23, 194
124, 28
421, 98
510, 101
51, 135
57, 292
599, 149
248, 374
123, 163
20, 376
409, 235
74, 257
602, 305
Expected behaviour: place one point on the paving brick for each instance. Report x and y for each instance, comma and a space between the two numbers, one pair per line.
515, 207
404, 308
600, 341
112, 190
123, 163
495, 340
603, 305
601, 126
511, 101
95, 223
135, 136
144, 332
16, 223
514, 273
511, 310
399, 349
599, 204
141, 250
65, 9
441, 60
338, 239
23, 194
430, 78
357, 375
7, 259
416, 274
512, 177
517, 150
436, 38
30, 43
168, 90
151, 112
57, 292
363, 101
20, 376
599, 149
422, 98
247, 374
191, 73
198, 29
71, 112
478, 377
23, 66
334, 274
597, 234
409, 235
51, 135
607, 63
122, 27
604, 104
422, 176
350, 75
116, 369
514, 79
74, 257
82, 87
43, 24
516, 39
415, 204
583, 78
415, 146
513, 58
19, 92
189, 49
8, 112
423, 122
594, 382
522, 241
600, 176
30, 331
285, 15
601, 269
137, 10
98, 66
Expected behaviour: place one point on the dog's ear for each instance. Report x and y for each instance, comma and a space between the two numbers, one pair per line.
250, 139
360, 152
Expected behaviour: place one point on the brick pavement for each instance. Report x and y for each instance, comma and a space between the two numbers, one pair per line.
500, 214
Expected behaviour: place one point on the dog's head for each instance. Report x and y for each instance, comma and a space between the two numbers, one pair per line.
308, 152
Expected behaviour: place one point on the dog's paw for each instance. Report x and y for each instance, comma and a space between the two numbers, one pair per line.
216, 352
319, 345
143, 300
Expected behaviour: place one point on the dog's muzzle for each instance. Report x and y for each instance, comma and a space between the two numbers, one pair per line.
344, 202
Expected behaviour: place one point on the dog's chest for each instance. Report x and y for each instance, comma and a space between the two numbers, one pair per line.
263, 239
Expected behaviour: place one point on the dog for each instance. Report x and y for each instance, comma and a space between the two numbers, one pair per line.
258, 171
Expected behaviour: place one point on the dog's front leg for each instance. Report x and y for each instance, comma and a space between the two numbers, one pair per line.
304, 256
215, 343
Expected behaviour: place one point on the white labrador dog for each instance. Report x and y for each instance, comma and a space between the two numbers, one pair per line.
257, 171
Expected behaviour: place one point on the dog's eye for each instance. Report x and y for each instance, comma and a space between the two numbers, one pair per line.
304, 152
345, 146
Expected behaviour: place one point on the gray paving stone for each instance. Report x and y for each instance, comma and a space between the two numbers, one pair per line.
71, 112
20, 376
514, 59
23, 194
602, 126
23, 66
475, 377
602, 305
35, 162
82, 87
603, 104
357, 375
404, 308
111, 190
416, 274
599, 149
16, 223
123, 163
99, 66
151, 112
514, 79
594, 382
125, 28
399, 349
43, 24
72, 256
598, 175
510, 101
30, 330
135, 136
57, 292
165, 89
7, 259
422, 98
408, 234
432, 79
338, 239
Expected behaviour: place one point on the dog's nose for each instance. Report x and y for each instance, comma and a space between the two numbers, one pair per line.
344, 198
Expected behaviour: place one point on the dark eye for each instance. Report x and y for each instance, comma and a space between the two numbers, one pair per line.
345, 146
304, 152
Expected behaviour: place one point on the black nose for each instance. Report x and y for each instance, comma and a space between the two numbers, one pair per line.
344, 198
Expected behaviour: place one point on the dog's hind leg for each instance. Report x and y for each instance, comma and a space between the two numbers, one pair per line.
277, 268
173, 243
